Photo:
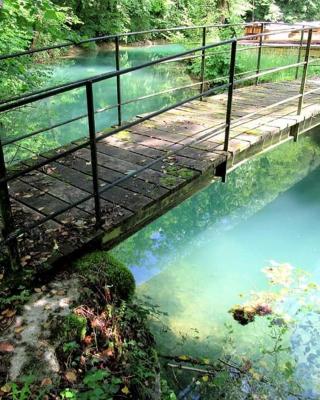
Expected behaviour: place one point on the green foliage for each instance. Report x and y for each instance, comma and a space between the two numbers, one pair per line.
20, 298
98, 386
103, 17
73, 327
101, 268
288, 10
25, 390
29, 25
68, 394
70, 346
218, 63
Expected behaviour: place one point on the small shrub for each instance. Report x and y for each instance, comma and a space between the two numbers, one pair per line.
101, 268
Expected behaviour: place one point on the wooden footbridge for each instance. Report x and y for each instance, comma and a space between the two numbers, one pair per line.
99, 190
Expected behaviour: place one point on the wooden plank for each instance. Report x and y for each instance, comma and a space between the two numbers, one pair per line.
43, 202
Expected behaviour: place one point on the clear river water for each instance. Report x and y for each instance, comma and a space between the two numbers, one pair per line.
69, 105
205, 256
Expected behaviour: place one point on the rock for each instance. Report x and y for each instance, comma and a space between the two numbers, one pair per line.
31, 347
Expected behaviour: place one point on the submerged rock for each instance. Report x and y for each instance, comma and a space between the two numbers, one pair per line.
246, 313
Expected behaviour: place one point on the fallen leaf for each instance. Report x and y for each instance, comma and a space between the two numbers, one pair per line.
108, 353
46, 382
6, 347
6, 388
9, 313
19, 329
205, 378
125, 390
24, 260
87, 340
71, 376
183, 358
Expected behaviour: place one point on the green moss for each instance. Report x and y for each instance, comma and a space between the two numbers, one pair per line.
184, 173
174, 173
73, 327
124, 136
168, 181
100, 268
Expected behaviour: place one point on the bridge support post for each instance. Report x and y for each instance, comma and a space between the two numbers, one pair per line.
119, 100
203, 60
6, 215
305, 72
221, 170
294, 132
93, 149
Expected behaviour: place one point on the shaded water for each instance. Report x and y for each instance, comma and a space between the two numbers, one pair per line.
200, 259
69, 105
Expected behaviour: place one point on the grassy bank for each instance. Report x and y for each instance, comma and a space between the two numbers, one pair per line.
218, 61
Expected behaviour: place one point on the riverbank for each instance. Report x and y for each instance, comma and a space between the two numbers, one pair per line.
82, 336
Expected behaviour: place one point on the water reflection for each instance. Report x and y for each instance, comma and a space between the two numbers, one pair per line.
197, 261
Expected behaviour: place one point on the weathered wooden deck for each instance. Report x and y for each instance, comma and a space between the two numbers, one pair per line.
135, 202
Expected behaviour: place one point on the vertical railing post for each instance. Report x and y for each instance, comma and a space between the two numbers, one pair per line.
6, 215
203, 60
93, 148
300, 51
232, 68
305, 71
117, 55
259, 52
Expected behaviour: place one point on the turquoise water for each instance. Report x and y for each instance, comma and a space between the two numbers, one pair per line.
69, 105
205, 256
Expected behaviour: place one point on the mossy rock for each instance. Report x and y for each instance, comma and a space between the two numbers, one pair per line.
101, 268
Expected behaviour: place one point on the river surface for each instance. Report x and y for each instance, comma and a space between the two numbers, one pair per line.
141, 83
205, 256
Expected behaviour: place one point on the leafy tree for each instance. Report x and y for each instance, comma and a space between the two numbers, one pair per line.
29, 24
287, 10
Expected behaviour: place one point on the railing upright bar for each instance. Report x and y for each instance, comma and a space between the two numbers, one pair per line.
119, 101
7, 217
259, 52
223, 168
203, 60
305, 72
232, 70
93, 149
300, 51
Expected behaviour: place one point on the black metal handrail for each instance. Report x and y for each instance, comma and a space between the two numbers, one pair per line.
10, 233
117, 37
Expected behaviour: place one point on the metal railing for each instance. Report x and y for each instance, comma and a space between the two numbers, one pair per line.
10, 232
